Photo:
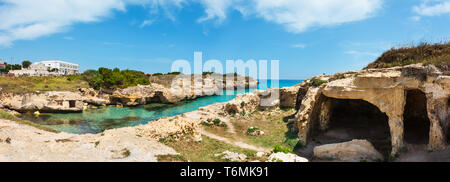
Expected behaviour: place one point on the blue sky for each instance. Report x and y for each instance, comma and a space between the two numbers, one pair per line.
308, 37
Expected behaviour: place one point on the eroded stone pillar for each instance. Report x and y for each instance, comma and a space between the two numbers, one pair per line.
396, 128
437, 114
394, 106
325, 114
305, 114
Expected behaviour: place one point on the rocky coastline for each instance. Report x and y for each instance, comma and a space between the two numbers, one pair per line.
377, 99
183, 88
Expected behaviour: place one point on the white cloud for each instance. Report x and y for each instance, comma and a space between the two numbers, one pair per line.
299, 15
433, 7
30, 19
302, 46
362, 53
216, 9
146, 23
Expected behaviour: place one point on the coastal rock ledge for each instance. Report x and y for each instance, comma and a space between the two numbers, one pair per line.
411, 103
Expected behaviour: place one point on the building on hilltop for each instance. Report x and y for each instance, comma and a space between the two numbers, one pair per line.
48, 68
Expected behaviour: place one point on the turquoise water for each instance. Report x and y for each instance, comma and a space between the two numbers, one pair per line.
103, 118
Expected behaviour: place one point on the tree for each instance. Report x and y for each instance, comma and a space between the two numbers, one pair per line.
26, 64
116, 78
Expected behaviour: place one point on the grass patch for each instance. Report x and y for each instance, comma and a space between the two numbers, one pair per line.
171, 158
275, 129
44, 83
316, 82
436, 54
202, 151
7, 116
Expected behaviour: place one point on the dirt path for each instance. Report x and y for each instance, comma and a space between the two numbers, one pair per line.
236, 143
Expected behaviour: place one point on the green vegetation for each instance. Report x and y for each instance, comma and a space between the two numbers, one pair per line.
316, 82
48, 83
115, 78
435, 54
253, 129
26, 64
279, 148
171, 158
272, 123
202, 151
7, 116
10, 67
216, 122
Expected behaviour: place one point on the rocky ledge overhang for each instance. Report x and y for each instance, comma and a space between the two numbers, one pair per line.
384, 88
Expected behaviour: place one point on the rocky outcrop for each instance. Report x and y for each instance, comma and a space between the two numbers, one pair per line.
288, 96
184, 87
384, 88
283, 157
232, 156
170, 127
23, 143
46, 102
243, 103
353, 151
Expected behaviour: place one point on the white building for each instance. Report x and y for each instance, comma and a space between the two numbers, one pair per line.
2, 64
48, 68
60, 67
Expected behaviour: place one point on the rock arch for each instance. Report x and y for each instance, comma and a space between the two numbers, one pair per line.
342, 120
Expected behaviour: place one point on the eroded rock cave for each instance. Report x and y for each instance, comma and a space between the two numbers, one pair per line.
415, 118
342, 120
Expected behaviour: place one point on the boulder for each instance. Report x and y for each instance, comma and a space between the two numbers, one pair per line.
352, 151
243, 102
283, 157
232, 156
288, 96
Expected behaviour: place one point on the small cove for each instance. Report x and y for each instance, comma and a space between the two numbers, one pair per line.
103, 118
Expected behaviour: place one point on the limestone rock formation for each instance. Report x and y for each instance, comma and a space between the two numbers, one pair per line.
46, 101
283, 157
170, 127
352, 151
387, 89
232, 156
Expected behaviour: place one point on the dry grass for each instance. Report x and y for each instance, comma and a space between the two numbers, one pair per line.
436, 54
47, 83
171, 158
7, 116
202, 151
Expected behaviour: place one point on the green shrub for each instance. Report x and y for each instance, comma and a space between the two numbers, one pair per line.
253, 129
157, 74
205, 123
217, 122
173, 73
279, 148
116, 78
316, 82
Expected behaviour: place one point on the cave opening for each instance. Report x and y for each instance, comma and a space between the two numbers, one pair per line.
72, 103
415, 118
356, 119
